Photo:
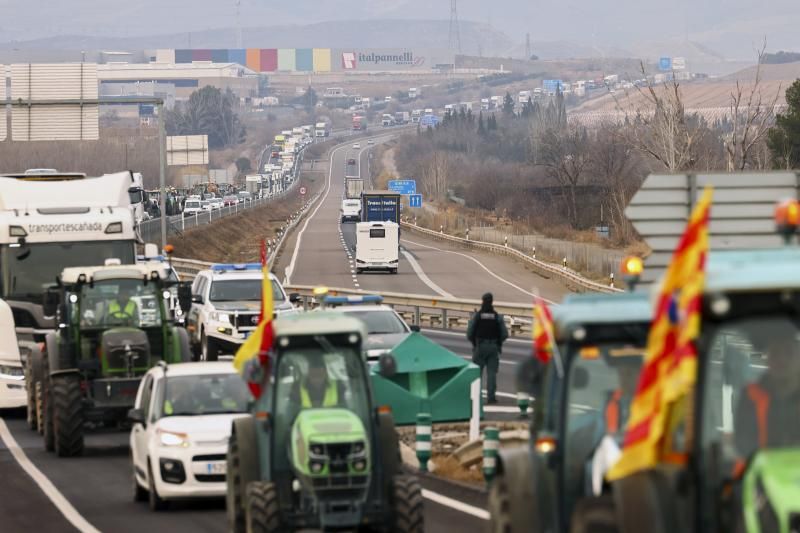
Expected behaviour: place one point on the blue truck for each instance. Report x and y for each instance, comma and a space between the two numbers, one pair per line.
380, 206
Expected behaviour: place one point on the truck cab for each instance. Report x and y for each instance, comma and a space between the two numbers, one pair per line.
351, 210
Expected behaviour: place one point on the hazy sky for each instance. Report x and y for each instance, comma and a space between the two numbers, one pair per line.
730, 27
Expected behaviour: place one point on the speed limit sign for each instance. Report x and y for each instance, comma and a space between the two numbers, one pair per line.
302, 190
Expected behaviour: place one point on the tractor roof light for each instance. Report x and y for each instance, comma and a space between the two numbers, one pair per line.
632, 267
787, 218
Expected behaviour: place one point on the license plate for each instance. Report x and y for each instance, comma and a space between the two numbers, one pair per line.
218, 467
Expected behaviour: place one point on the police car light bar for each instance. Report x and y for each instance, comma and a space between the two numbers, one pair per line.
224, 267
352, 300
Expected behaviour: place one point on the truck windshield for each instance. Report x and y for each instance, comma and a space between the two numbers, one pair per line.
25, 272
242, 290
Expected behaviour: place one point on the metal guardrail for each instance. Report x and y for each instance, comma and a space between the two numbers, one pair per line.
570, 277
150, 230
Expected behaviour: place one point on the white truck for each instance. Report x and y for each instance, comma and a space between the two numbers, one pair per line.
322, 129
48, 225
377, 246
353, 187
351, 210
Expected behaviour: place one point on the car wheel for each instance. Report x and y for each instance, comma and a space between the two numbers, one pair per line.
154, 500
208, 347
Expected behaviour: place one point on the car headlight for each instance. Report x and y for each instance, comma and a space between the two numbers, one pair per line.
376, 352
12, 372
171, 438
317, 466
219, 317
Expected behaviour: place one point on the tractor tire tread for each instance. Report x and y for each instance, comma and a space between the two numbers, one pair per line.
263, 508
68, 416
409, 513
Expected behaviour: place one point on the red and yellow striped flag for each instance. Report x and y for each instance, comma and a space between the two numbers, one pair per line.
252, 358
543, 334
670, 365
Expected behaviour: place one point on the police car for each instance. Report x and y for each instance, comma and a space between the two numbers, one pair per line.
182, 419
385, 327
226, 304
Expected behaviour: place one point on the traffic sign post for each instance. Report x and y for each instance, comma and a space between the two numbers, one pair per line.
302, 191
415, 200
404, 187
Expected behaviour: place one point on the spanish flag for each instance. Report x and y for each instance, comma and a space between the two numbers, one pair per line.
253, 357
658, 410
543, 334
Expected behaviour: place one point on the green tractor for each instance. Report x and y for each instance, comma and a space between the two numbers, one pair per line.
582, 404
316, 452
739, 431
114, 325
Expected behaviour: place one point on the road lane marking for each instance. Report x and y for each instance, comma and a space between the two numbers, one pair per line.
477, 512
517, 287
46, 486
290, 269
463, 335
424, 278
503, 409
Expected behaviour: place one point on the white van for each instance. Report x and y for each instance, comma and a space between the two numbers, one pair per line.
192, 207
377, 246
12, 376
351, 210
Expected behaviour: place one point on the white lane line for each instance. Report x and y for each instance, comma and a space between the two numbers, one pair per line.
290, 269
477, 512
517, 287
55, 496
503, 409
424, 278
513, 363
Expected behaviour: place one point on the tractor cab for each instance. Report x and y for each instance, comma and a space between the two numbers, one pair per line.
114, 325
317, 445
583, 397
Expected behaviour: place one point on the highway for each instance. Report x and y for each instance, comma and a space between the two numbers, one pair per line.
94, 492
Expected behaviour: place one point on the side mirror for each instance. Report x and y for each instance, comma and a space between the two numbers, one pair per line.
185, 298
530, 374
415, 328
50, 300
136, 195
150, 250
197, 299
580, 378
136, 416
387, 365
295, 297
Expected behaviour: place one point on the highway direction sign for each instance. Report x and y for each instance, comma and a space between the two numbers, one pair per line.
415, 200
403, 186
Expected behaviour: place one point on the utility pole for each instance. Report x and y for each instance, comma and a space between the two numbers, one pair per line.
455, 33
238, 24
527, 46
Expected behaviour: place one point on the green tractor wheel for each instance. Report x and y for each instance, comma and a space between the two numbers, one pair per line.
47, 408
39, 392
30, 390
68, 416
594, 515
409, 516
512, 501
262, 510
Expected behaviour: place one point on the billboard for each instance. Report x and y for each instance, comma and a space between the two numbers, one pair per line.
678, 63
387, 59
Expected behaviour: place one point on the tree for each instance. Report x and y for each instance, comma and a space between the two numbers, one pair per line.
564, 154
243, 165
207, 112
751, 118
508, 105
310, 99
784, 139
491, 123
481, 129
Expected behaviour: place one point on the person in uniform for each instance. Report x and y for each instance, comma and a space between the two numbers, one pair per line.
487, 332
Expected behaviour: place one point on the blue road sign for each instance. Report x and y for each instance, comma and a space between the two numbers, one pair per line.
403, 186
665, 63
415, 200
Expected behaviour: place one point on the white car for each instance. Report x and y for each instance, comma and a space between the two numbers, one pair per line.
216, 203
385, 327
370, 142
356, 146
226, 304
192, 207
182, 420
12, 376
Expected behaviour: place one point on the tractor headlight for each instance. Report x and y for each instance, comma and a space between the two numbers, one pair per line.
317, 449
358, 448
360, 465
12, 372
170, 438
317, 466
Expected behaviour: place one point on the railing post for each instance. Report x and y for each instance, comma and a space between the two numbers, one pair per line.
523, 402
467, 233
612, 280
491, 443
534, 252
505, 241
417, 317
444, 319
564, 261
423, 441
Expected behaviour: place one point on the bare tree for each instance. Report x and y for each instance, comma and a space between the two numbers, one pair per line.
564, 154
434, 174
751, 118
